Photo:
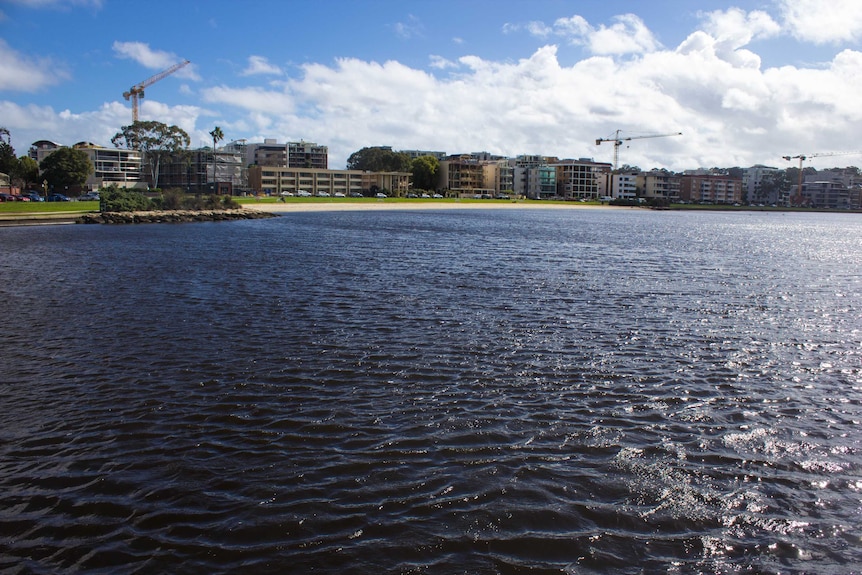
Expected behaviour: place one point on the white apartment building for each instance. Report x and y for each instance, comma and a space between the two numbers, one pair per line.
111, 166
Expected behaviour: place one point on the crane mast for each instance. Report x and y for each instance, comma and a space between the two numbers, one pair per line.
136, 92
618, 141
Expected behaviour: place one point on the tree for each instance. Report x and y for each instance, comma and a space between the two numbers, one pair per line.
217, 135
425, 170
379, 159
26, 172
154, 140
8, 161
66, 168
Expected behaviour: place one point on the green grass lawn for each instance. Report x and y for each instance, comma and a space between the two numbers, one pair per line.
47, 207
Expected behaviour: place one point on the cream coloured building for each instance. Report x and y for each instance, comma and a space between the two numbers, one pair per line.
278, 180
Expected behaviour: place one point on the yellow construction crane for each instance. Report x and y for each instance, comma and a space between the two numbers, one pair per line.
137, 91
802, 157
618, 141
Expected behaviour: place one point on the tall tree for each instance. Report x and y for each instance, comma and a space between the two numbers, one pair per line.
66, 168
425, 170
217, 136
378, 159
154, 140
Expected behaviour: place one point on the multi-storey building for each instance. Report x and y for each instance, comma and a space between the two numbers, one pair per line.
499, 176
111, 166
658, 185
268, 153
532, 177
463, 176
619, 186
580, 179
759, 186
307, 155
275, 180
704, 188
203, 172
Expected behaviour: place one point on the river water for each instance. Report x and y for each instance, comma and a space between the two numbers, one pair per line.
435, 392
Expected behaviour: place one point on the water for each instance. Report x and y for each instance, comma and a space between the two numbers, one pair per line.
531, 391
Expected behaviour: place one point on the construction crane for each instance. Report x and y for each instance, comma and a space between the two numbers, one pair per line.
618, 141
136, 92
802, 157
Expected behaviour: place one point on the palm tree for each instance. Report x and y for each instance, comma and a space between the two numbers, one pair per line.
217, 135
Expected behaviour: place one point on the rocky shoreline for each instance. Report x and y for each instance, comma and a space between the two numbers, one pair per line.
172, 216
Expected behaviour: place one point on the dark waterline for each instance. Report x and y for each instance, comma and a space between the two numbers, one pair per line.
434, 392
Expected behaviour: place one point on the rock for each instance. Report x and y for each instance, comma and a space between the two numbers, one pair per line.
172, 216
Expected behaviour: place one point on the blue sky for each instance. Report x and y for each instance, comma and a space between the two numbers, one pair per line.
746, 81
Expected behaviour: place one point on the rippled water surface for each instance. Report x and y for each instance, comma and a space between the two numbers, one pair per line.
530, 391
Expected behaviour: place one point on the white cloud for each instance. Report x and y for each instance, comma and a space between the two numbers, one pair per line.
20, 73
412, 28
441, 63
823, 21
153, 59
627, 35
736, 28
260, 65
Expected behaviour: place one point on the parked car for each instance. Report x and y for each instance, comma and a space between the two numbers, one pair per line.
356, 195
89, 197
303, 194
34, 197
323, 194
379, 195
7, 198
58, 198
339, 194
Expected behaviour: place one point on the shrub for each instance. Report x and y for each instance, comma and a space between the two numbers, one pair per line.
172, 199
114, 199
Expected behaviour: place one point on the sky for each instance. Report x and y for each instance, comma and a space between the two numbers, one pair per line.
746, 81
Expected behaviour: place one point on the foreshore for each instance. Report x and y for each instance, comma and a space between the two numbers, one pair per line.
263, 209
324, 206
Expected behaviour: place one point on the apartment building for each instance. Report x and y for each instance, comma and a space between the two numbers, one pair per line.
275, 180
658, 185
463, 175
619, 186
532, 178
267, 153
580, 179
758, 185
705, 188
499, 176
304, 154
111, 166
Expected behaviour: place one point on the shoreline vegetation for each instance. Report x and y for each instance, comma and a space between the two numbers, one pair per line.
12, 214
